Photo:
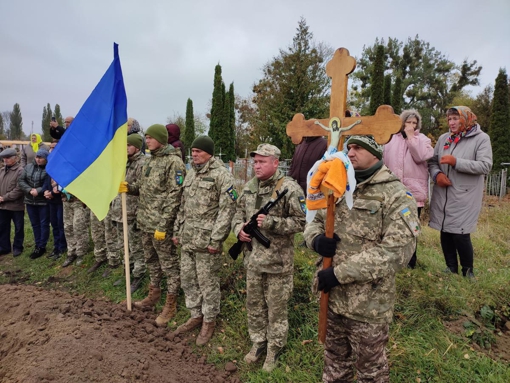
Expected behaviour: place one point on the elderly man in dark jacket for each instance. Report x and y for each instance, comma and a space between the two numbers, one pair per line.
11, 204
33, 183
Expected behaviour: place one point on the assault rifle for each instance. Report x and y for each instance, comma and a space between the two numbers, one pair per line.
252, 229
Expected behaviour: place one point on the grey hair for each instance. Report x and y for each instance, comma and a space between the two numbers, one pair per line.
410, 113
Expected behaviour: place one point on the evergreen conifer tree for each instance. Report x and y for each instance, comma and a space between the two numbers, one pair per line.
500, 122
396, 98
58, 115
16, 125
387, 90
189, 129
377, 81
217, 109
45, 123
2, 129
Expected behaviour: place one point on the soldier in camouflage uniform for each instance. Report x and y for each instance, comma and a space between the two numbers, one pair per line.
114, 233
372, 242
98, 234
269, 272
202, 224
160, 189
76, 228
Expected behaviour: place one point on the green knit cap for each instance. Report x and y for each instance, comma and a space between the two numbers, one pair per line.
368, 143
158, 132
135, 140
204, 143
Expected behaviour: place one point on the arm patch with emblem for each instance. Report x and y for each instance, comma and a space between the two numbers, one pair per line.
232, 193
179, 177
302, 202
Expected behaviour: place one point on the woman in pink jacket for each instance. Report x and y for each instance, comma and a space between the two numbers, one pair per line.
406, 156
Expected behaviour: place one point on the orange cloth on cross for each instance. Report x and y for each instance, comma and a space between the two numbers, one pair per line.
330, 174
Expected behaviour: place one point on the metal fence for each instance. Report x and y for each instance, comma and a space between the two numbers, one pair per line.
495, 183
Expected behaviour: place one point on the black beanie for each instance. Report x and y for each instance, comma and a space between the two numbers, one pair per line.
204, 143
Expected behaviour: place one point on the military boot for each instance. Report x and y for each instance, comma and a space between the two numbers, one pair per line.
256, 351
151, 299
169, 310
190, 324
206, 332
271, 358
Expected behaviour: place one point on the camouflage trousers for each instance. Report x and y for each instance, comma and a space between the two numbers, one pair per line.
162, 260
76, 227
115, 246
351, 343
97, 230
200, 280
267, 296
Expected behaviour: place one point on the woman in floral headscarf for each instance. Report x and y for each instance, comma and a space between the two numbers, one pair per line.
462, 157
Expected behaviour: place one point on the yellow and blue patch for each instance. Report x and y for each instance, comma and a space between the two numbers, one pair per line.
409, 195
405, 212
179, 177
302, 202
232, 193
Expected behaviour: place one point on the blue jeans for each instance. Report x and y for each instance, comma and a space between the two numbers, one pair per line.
17, 217
57, 225
40, 220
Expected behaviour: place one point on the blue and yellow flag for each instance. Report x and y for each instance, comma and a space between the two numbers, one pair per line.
90, 159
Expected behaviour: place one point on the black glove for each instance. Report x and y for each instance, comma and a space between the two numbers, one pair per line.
325, 246
327, 279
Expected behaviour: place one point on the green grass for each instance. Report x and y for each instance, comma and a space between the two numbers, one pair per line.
421, 348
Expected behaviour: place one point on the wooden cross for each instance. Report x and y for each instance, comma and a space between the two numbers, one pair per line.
381, 126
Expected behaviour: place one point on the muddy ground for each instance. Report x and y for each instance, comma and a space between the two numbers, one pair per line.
52, 336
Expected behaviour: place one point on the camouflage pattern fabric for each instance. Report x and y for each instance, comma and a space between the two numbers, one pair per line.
97, 231
200, 280
378, 237
350, 343
134, 167
113, 242
204, 218
206, 208
76, 227
160, 189
162, 260
284, 220
136, 256
269, 271
267, 296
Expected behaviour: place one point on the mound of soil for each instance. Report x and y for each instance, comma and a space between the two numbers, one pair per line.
51, 336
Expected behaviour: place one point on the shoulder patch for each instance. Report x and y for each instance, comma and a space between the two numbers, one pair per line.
414, 226
179, 177
405, 212
409, 195
302, 202
232, 193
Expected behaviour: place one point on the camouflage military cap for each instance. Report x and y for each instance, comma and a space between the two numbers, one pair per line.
368, 143
266, 150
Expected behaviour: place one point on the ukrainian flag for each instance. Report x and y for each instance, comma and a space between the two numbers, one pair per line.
90, 159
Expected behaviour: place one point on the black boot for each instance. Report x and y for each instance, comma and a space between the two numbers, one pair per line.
468, 272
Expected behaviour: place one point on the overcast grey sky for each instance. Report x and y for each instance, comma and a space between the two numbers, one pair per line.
56, 51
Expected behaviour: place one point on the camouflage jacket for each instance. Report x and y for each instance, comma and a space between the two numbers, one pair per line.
160, 189
378, 237
133, 172
283, 221
207, 207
